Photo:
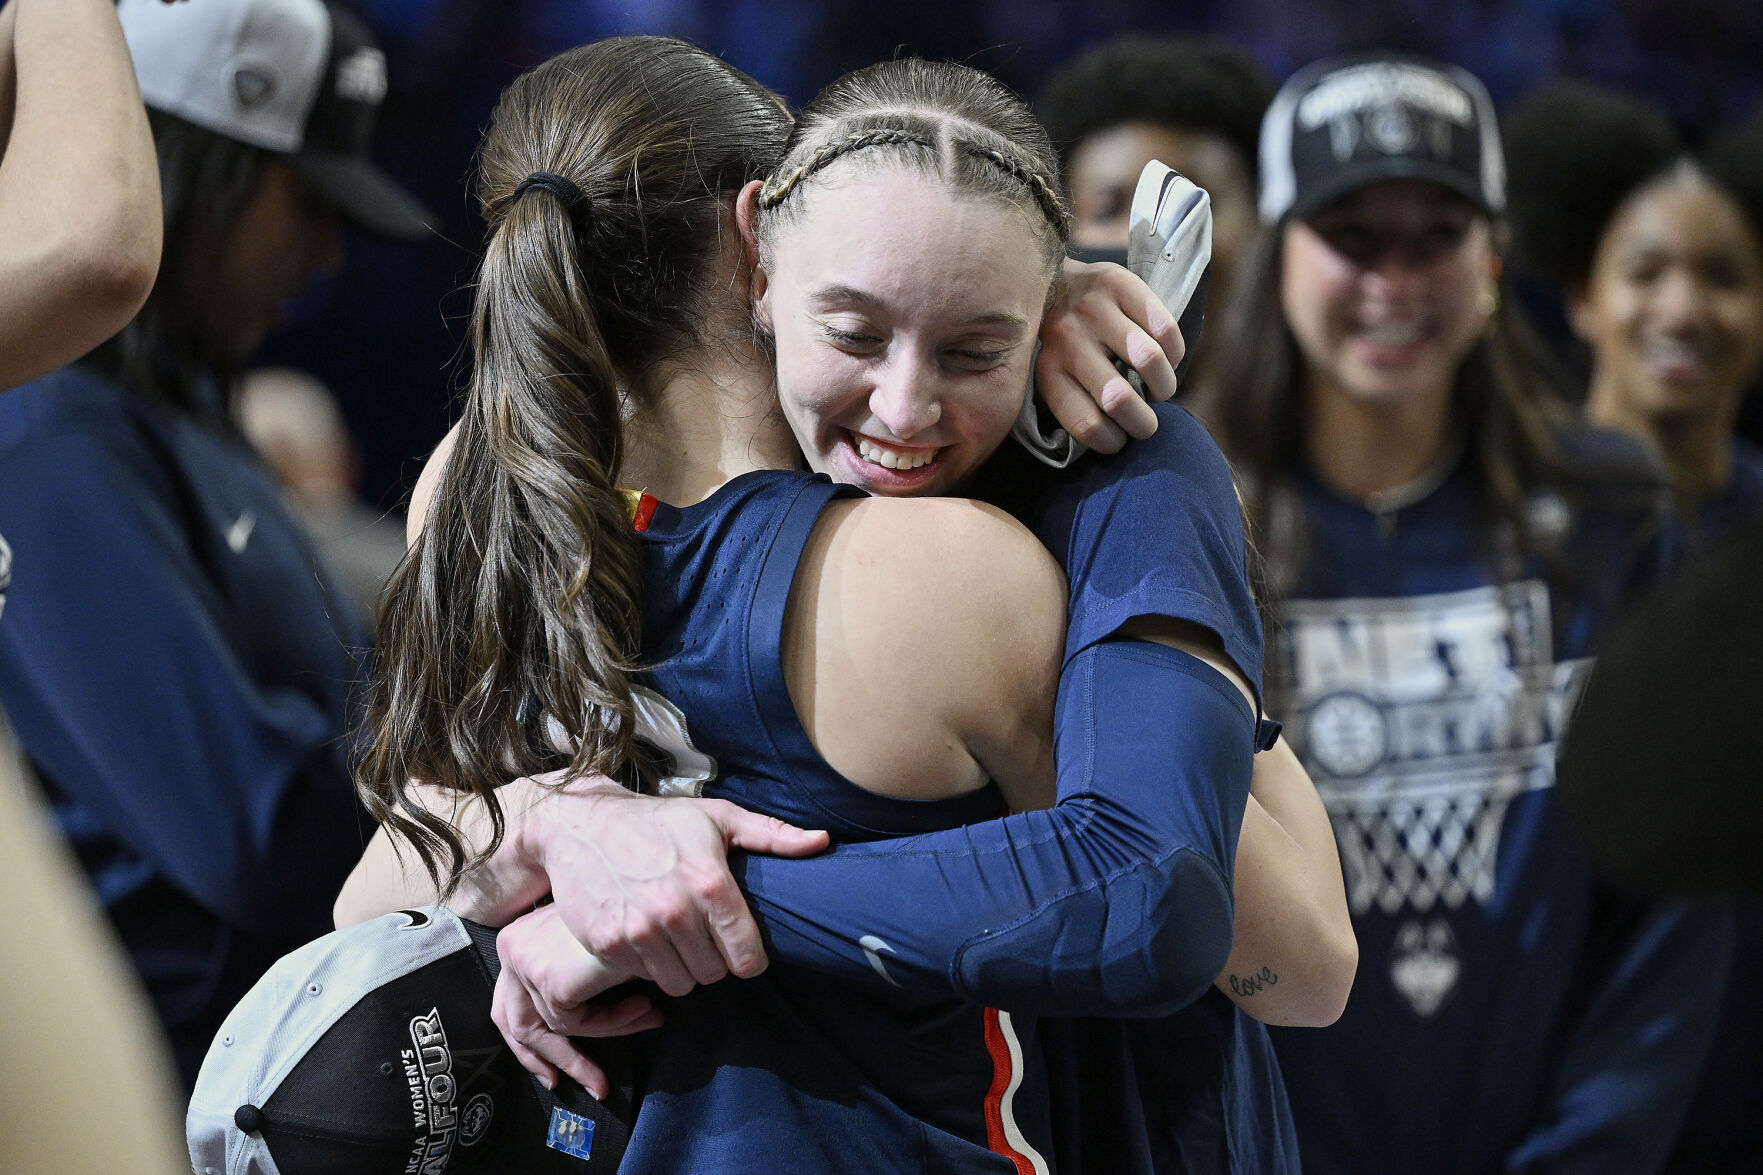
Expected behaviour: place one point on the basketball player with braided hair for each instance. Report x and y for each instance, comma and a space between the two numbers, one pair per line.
830, 758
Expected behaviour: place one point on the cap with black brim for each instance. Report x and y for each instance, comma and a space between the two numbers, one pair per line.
372, 1050
1337, 126
335, 156
303, 79
364, 195
1345, 183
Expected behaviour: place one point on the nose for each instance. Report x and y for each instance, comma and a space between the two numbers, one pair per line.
1395, 274
1680, 301
907, 397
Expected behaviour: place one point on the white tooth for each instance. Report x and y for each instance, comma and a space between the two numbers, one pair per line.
889, 459
1393, 334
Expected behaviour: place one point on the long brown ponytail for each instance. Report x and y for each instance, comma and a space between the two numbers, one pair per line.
604, 178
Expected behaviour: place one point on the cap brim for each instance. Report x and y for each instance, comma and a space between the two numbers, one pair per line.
1350, 179
366, 196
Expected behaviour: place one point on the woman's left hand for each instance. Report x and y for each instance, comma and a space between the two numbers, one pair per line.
1106, 312
541, 1000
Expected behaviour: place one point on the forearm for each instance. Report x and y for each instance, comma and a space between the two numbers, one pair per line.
1116, 901
80, 225
1293, 952
391, 876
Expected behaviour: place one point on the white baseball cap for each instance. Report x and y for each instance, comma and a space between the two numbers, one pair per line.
302, 78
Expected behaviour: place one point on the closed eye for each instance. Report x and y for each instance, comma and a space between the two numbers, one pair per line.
849, 339
977, 358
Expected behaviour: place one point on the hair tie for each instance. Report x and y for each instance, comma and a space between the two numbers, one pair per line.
574, 199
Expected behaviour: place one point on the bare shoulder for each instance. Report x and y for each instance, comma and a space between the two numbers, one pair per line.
954, 559
936, 617
424, 494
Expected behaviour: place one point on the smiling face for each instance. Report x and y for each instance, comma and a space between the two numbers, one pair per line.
1673, 306
905, 318
1383, 290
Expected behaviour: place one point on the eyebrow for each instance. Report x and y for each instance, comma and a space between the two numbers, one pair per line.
850, 295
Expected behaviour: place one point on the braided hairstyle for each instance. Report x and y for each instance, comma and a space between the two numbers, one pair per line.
606, 178
949, 121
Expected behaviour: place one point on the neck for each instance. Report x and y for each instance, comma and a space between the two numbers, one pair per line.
1362, 448
1695, 445
709, 416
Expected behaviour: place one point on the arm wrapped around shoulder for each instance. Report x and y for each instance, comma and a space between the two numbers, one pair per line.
1155, 750
1116, 901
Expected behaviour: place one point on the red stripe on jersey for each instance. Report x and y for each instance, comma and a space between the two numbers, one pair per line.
644, 512
1003, 1075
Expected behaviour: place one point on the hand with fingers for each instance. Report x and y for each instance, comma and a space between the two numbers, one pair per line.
643, 882
1105, 312
542, 996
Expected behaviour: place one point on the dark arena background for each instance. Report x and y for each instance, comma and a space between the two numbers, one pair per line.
387, 333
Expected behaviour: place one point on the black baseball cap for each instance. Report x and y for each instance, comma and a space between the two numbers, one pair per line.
1341, 124
371, 1050
303, 78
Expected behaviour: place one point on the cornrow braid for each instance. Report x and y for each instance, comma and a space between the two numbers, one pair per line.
776, 191
959, 125
1045, 194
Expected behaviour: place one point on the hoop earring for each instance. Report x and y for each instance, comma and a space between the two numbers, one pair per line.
1488, 302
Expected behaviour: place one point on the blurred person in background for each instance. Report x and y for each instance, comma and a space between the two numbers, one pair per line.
1195, 104
1445, 545
73, 137
174, 664
1659, 253
296, 425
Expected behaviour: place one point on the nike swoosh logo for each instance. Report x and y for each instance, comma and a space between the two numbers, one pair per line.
872, 946
414, 919
239, 533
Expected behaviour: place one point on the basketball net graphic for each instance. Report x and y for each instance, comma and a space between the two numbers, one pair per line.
1421, 720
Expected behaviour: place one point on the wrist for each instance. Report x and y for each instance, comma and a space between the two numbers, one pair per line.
546, 805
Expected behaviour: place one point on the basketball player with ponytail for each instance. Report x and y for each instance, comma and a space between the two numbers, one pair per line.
873, 666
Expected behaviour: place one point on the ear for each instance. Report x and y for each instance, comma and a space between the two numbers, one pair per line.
747, 220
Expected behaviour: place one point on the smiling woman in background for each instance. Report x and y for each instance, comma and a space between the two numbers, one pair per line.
1659, 253
1447, 545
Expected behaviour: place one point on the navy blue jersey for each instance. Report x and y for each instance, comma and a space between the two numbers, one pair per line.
178, 670
787, 1071
1510, 1012
1156, 530
1153, 531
